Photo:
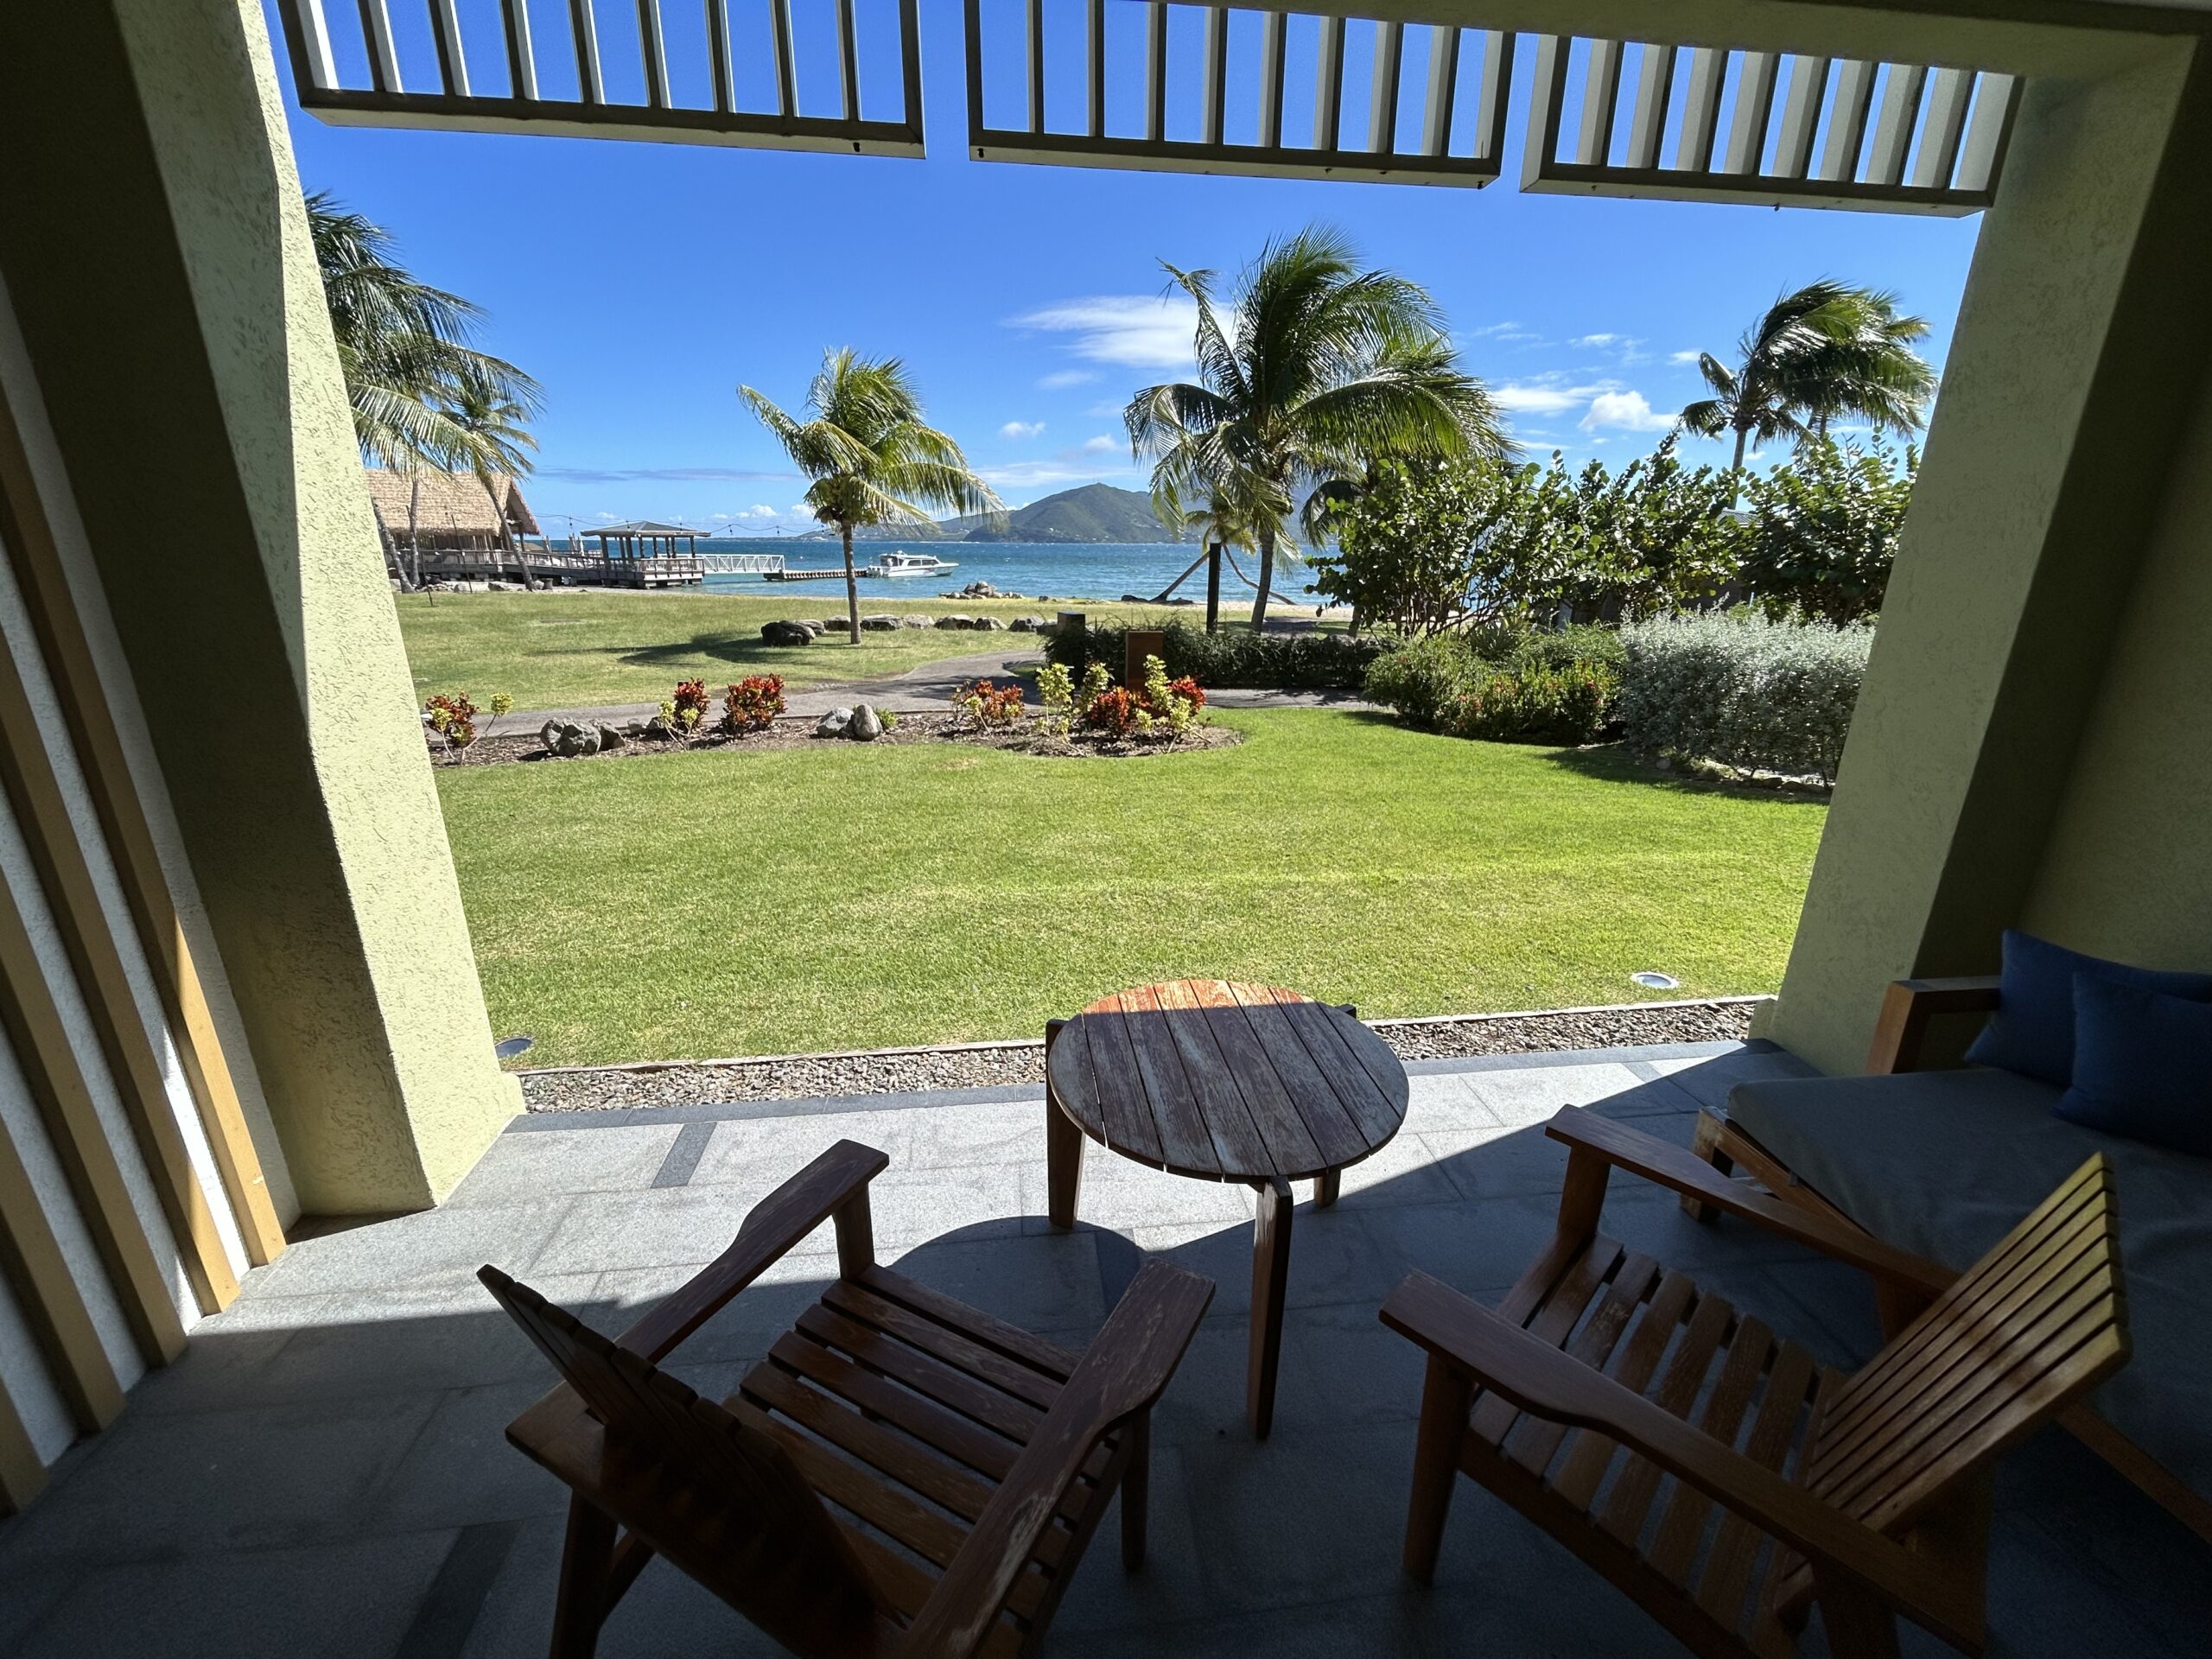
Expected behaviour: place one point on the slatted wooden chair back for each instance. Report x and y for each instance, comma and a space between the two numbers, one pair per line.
681, 1464
2035, 1324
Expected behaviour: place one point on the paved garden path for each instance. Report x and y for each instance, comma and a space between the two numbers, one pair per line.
924, 689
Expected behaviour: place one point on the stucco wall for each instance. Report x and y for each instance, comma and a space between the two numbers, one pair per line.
2128, 869
151, 186
2079, 356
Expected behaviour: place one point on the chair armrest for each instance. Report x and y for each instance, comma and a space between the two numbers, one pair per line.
1670, 1165
1120, 1375
1907, 1006
1540, 1378
769, 1230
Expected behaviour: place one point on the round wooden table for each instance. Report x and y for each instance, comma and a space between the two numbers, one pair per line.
1223, 1081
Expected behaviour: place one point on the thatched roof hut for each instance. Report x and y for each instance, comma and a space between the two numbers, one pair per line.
451, 510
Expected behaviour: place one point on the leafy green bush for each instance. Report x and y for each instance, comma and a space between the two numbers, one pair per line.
1504, 683
1745, 692
1304, 661
1528, 703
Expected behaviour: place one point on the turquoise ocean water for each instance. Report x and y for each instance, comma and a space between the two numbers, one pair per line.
1100, 572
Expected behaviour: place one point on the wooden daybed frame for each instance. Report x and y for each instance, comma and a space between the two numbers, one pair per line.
1910, 1006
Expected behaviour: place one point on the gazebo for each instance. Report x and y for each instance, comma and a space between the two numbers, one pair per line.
643, 554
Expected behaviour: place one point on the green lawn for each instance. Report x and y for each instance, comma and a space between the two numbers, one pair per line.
723, 903
562, 650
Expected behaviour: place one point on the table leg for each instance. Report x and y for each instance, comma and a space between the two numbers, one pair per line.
1270, 1279
1063, 1163
1326, 1185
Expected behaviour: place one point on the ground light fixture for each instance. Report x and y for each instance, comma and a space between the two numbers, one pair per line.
508, 1047
1652, 981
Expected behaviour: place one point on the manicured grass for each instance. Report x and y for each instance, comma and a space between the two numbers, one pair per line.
722, 903
562, 650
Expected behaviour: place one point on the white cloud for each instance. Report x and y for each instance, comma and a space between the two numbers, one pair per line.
1060, 379
1137, 331
1068, 468
1685, 356
1021, 429
1628, 411
1599, 341
1546, 395
1100, 446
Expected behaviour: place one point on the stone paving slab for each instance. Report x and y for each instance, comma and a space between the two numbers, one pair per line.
324, 1472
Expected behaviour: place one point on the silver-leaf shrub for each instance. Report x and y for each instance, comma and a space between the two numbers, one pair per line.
1742, 691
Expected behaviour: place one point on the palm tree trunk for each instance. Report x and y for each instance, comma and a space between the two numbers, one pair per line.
1736, 467
414, 507
852, 591
1213, 586
1266, 580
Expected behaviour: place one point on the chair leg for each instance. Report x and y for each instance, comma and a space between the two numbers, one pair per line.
1445, 1400
1137, 1489
586, 1563
1857, 1624
1705, 1142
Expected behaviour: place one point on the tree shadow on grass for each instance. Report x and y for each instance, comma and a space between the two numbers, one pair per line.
753, 654
1612, 763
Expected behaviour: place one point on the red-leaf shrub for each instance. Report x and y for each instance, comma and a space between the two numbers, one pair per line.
1114, 710
690, 701
989, 705
1191, 691
454, 718
751, 703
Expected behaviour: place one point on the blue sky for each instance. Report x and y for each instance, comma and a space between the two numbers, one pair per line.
641, 283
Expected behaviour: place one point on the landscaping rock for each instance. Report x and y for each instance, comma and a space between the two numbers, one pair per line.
609, 738
953, 619
879, 624
837, 625
914, 619
834, 723
658, 729
1028, 625
573, 740
550, 735
866, 725
990, 624
786, 634
980, 590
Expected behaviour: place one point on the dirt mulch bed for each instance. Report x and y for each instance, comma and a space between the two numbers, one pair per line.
797, 732
795, 1076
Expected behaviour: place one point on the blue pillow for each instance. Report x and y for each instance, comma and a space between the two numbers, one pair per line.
2032, 1031
2142, 1065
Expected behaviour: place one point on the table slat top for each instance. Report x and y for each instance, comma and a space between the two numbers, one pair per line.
1227, 1081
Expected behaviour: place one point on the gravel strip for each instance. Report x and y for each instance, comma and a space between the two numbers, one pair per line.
990, 1065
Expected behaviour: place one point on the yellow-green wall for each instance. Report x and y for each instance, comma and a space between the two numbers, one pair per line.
156, 247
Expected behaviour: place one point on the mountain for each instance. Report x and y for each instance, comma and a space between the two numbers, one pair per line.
1093, 513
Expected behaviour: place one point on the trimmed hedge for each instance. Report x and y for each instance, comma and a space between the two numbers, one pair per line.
1742, 691
1298, 661
1503, 684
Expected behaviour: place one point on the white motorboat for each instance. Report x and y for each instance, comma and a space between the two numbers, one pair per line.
903, 563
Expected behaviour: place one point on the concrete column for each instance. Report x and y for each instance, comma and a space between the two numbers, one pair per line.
2081, 349
155, 245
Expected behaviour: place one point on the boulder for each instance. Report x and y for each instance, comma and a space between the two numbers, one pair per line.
574, 739
658, 730
834, 723
549, 735
989, 624
786, 634
879, 624
1026, 625
866, 726
953, 619
914, 619
609, 737
980, 590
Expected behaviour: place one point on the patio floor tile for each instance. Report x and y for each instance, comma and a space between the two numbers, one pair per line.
325, 1471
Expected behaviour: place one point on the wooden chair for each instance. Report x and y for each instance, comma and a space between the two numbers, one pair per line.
1795, 1484
902, 1475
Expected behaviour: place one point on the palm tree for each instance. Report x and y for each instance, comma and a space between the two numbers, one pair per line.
493, 429
1824, 351
872, 458
1318, 367
405, 348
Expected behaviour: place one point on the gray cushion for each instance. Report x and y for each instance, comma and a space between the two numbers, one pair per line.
1945, 1163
